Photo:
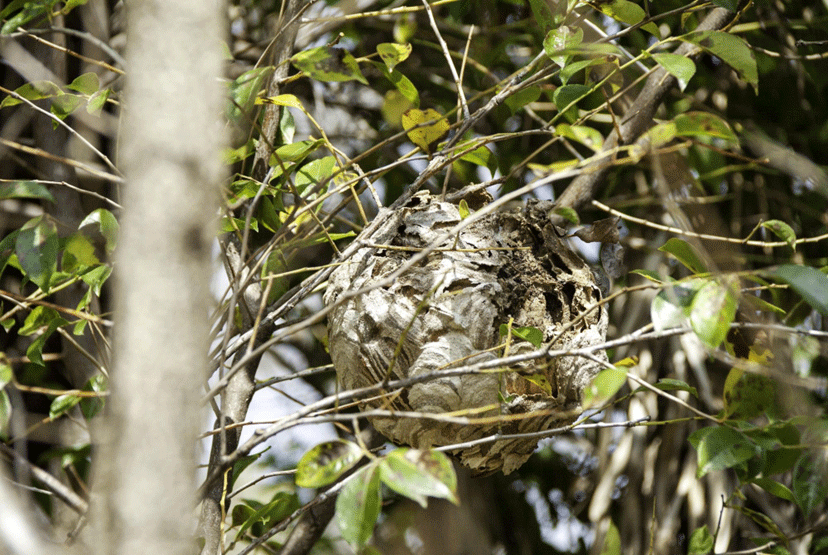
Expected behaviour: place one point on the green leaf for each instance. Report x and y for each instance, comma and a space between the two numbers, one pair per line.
87, 84
587, 136
358, 505
680, 67
403, 84
670, 384
568, 214
326, 462
701, 542
326, 63
544, 16
25, 189
35, 350
78, 254
809, 282
36, 90
61, 404
463, 208
528, 333
92, 406
295, 152
418, 474
719, 447
560, 39
288, 100
703, 124
6, 372
521, 98
106, 224
481, 156
64, 105
733, 50
671, 307
782, 230
242, 463
729, 5
571, 68
685, 254
774, 488
280, 507
96, 277
425, 128
626, 12
713, 310
612, 541
747, 395
810, 477
312, 174
604, 386
649, 274
97, 101
568, 95
30, 10
5, 413
392, 53
244, 89
37, 251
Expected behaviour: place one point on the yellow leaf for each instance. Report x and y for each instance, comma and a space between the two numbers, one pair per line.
424, 127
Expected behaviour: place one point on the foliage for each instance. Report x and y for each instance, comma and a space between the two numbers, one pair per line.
718, 328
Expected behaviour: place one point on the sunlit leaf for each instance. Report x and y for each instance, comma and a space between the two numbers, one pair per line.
774, 488
713, 310
312, 174
720, 447
782, 230
528, 333
87, 84
680, 67
358, 505
425, 127
107, 224
587, 136
37, 251
612, 541
326, 63
289, 100
685, 254
701, 542
561, 39
392, 53
649, 274
626, 12
244, 90
25, 189
463, 208
604, 386
326, 462
703, 124
36, 90
418, 474
481, 156
61, 404
733, 50
5, 413
809, 282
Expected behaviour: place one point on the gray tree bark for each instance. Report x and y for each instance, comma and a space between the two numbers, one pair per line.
170, 155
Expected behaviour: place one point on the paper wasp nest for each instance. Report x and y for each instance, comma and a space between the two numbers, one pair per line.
446, 310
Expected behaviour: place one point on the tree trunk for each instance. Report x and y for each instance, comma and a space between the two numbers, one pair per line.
171, 142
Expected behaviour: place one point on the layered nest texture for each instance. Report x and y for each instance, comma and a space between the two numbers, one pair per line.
392, 319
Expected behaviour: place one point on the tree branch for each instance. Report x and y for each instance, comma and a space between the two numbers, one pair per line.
635, 121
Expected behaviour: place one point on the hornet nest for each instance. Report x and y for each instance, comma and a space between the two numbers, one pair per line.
446, 310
